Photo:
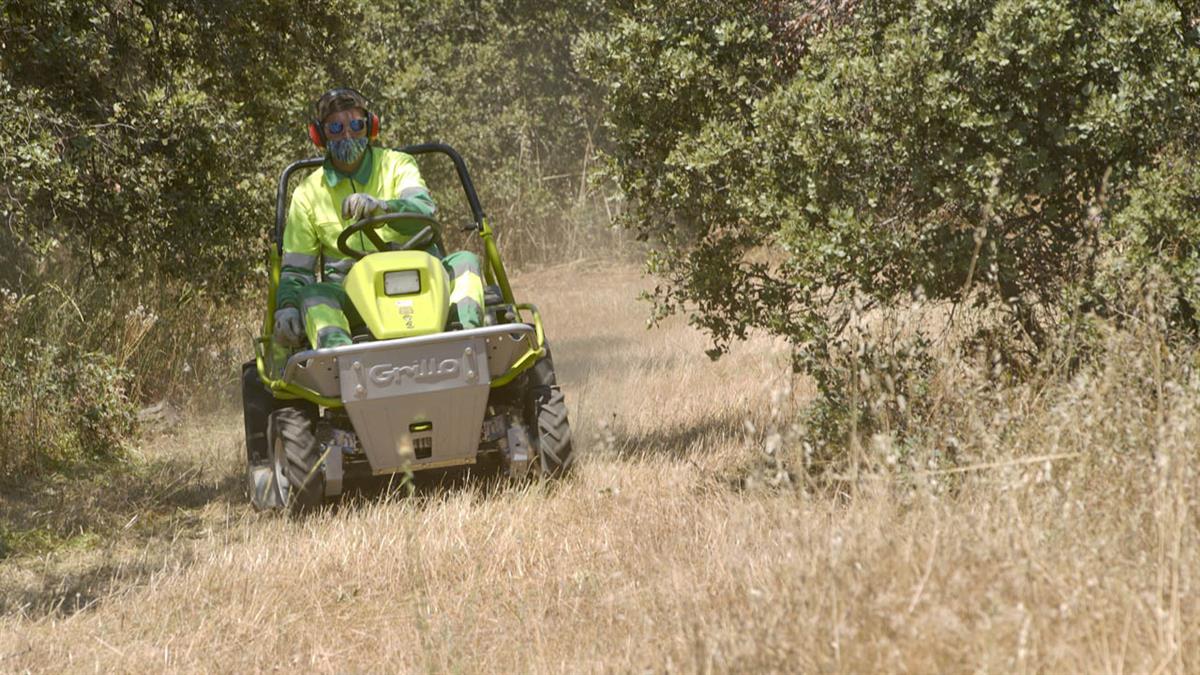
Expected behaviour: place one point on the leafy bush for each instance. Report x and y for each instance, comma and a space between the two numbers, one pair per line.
496, 80
990, 152
77, 360
1152, 240
59, 405
146, 136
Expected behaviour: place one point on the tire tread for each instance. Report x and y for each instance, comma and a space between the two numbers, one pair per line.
305, 480
555, 446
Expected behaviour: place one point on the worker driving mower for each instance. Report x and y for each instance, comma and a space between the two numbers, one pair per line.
379, 353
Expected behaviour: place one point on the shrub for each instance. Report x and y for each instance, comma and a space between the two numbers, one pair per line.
59, 406
986, 152
1152, 240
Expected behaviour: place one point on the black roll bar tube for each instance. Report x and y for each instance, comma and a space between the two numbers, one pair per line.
460, 167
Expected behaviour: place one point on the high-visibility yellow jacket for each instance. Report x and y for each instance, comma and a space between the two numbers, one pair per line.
315, 221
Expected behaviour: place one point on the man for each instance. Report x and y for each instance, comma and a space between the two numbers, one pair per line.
357, 180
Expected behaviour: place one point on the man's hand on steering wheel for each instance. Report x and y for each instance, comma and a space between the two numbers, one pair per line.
359, 205
428, 234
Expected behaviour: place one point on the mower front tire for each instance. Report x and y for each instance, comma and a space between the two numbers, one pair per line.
299, 482
548, 410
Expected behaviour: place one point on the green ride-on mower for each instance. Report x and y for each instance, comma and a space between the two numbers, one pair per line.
411, 393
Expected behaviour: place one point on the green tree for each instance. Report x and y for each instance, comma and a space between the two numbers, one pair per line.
953, 149
496, 80
797, 165
146, 135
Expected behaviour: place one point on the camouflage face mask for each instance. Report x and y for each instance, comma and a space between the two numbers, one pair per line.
348, 150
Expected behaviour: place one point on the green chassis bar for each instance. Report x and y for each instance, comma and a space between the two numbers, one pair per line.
287, 391
494, 267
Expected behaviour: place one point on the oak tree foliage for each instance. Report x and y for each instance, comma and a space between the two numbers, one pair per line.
797, 166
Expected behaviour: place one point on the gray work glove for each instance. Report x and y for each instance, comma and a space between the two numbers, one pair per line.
359, 205
289, 329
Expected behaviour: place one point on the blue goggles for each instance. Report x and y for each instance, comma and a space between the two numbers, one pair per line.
335, 128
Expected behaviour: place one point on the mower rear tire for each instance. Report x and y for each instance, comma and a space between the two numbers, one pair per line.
257, 404
299, 482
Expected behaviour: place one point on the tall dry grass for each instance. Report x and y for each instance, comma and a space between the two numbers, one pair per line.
1061, 539
82, 351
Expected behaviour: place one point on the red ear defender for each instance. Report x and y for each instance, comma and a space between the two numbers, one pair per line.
374, 124
314, 133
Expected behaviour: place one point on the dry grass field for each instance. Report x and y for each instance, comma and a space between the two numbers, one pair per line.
1065, 542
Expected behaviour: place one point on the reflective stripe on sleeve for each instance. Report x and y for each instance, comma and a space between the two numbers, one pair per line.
300, 260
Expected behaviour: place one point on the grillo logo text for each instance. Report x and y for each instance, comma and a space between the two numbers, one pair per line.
386, 374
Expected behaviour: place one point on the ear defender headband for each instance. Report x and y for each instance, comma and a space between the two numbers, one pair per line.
316, 129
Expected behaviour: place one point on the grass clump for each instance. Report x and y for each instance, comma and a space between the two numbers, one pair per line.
922, 395
59, 402
84, 354
36, 541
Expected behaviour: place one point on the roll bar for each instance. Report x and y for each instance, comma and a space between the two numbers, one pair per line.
460, 166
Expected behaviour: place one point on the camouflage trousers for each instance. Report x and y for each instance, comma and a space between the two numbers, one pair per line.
329, 314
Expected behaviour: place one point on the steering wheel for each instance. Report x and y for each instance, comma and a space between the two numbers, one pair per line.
368, 227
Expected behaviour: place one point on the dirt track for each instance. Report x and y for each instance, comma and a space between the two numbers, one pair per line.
657, 555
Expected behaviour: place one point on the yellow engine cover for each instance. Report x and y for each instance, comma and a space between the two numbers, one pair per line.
400, 315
